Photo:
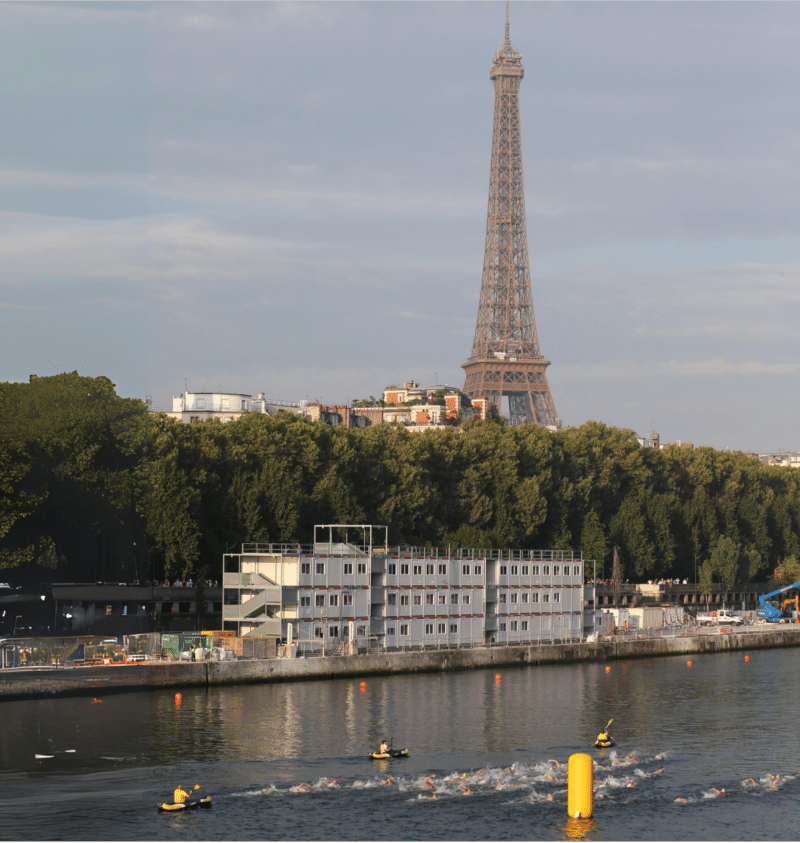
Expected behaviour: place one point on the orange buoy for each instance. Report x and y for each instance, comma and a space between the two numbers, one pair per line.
95, 701
363, 686
608, 668
689, 663
497, 677
747, 658
178, 698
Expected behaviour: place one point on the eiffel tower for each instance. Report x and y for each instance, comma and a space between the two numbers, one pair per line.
506, 359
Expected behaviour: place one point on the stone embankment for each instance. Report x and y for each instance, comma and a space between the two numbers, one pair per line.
31, 683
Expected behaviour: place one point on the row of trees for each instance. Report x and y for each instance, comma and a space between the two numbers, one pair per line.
92, 486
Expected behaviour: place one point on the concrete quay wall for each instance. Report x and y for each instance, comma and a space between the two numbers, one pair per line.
23, 683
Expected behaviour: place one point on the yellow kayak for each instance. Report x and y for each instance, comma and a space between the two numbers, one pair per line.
392, 753
189, 805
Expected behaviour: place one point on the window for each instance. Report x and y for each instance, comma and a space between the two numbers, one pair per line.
417, 599
478, 570
443, 570
361, 630
417, 570
429, 629
320, 567
305, 567
317, 632
334, 600
347, 600
514, 596
535, 597
429, 569
348, 567
545, 598
362, 567
557, 597
404, 629
546, 570
524, 596
454, 598
404, 568
305, 601
442, 599
392, 568
536, 570
524, 626
453, 628
513, 626
390, 630
319, 600
441, 628
465, 599
502, 570
524, 570
333, 632
514, 570
465, 569
502, 626
576, 570
404, 600
503, 597
556, 570
391, 599
429, 600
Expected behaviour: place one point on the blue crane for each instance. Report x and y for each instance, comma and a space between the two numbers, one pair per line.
769, 613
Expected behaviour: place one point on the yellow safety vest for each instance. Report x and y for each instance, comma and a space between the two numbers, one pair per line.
179, 796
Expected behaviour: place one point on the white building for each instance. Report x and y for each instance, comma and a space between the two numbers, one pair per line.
225, 406
350, 591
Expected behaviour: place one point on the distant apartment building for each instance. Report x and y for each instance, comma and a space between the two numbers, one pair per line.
351, 588
225, 406
417, 407
788, 459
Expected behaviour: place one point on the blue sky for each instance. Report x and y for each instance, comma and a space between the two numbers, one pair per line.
290, 198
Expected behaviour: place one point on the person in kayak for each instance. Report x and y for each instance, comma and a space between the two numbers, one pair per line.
180, 796
384, 750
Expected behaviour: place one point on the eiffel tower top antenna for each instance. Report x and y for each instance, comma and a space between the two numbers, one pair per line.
507, 41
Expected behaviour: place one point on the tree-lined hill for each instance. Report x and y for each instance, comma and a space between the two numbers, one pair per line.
92, 486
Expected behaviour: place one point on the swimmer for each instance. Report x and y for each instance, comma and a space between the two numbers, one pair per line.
717, 791
303, 787
750, 781
633, 760
553, 761
466, 789
682, 799
629, 782
549, 798
428, 782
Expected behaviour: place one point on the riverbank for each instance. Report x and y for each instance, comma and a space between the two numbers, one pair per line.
33, 683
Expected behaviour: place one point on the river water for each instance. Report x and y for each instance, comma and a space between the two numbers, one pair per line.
268, 754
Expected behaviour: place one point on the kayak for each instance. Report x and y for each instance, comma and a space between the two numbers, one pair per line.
392, 753
166, 807
605, 744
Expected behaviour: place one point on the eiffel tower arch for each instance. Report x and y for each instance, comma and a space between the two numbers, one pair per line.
506, 359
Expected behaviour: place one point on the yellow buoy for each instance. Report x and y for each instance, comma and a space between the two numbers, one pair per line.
580, 776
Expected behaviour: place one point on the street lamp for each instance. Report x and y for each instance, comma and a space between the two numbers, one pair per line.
696, 557
603, 571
